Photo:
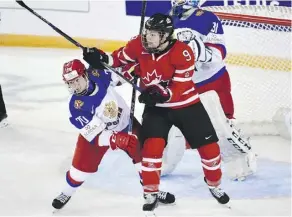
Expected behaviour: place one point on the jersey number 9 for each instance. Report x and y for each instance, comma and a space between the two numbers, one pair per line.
187, 55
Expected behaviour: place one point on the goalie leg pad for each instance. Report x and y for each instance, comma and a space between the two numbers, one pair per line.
241, 167
232, 144
224, 127
174, 151
236, 139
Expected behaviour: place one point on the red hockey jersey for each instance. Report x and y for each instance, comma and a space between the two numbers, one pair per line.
174, 67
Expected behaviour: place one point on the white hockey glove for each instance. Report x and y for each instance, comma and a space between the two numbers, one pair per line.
202, 53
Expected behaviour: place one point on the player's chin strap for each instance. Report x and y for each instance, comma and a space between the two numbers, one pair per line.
236, 151
77, 44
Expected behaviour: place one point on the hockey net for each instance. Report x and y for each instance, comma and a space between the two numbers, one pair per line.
258, 41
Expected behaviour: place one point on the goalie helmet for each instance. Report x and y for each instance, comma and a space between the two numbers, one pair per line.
179, 7
157, 31
76, 77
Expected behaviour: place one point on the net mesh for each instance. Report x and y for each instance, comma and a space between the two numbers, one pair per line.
258, 59
254, 10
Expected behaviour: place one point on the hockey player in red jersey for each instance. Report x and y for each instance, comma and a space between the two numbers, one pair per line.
166, 67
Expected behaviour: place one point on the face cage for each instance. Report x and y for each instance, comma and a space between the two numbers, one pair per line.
83, 92
179, 8
156, 49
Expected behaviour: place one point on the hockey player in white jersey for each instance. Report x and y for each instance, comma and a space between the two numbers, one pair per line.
203, 31
102, 117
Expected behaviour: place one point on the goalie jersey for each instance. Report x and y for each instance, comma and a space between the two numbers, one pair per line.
101, 112
206, 26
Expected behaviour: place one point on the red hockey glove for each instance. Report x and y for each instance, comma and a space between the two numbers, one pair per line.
130, 70
125, 141
153, 94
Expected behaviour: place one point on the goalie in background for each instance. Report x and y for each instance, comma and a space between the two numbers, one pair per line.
3, 112
203, 32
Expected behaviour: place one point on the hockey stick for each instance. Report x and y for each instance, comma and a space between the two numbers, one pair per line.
133, 100
22, 4
111, 69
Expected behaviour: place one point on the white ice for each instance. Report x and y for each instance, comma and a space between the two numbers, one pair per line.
35, 152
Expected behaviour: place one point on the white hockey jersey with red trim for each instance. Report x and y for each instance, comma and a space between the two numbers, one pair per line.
206, 26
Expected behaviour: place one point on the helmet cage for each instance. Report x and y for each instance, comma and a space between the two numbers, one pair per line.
163, 38
179, 7
157, 25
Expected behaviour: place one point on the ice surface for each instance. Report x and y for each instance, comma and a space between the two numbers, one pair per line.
36, 149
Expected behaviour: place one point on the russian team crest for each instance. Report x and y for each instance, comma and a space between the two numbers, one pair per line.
78, 104
199, 12
95, 73
111, 110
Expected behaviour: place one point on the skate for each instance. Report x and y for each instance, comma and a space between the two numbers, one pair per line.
60, 201
218, 194
151, 202
3, 120
165, 197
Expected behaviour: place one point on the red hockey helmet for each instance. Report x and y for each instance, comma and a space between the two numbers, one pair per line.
75, 76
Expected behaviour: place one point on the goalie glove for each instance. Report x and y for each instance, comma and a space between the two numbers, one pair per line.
202, 53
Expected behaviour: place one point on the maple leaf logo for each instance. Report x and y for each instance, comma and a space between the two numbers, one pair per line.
151, 78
